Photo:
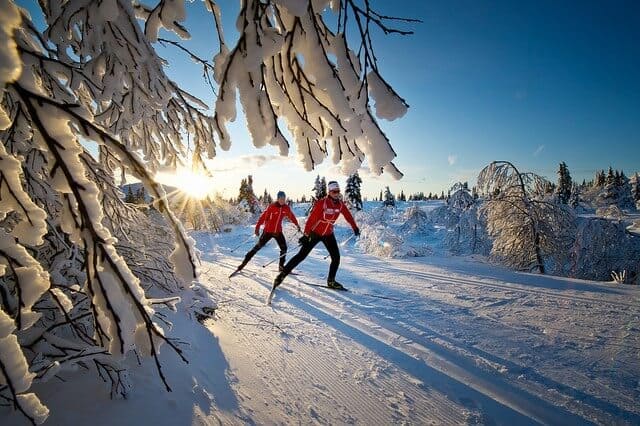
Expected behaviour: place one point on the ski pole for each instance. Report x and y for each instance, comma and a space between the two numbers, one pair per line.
277, 258
241, 244
341, 245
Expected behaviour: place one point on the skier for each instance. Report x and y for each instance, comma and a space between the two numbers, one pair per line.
272, 219
319, 227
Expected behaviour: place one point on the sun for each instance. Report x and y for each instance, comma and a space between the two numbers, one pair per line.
193, 184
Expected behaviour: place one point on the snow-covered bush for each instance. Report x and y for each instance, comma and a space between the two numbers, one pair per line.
465, 226
385, 242
71, 291
602, 246
610, 212
387, 233
381, 215
221, 213
416, 221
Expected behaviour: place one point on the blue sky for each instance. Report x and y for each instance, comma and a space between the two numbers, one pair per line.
534, 82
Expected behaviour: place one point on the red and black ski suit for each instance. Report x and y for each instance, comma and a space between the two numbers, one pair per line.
319, 227
272, 219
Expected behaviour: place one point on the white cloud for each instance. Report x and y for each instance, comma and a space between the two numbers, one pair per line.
538, 150
452, 159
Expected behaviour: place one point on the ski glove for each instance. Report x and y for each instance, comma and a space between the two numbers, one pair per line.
356, 231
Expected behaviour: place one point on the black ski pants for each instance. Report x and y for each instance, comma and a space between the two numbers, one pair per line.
329, 242
264, 239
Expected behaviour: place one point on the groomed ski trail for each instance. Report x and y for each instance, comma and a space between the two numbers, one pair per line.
417, 342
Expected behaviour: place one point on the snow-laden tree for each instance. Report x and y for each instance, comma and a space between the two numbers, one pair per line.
563, 189
467, 231
92, 75
616, 191
266, 197
389, 198
352, 191
603, 246
599, 179
528, 232
576, 196
635, 191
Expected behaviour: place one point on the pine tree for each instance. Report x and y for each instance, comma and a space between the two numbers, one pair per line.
380, 196
402, 196
611, 177
599, 179
575, 198
389, 198
352, 191
143, 195
564, 184
625, 192
246, 194
636, 187
129, 195
319, 189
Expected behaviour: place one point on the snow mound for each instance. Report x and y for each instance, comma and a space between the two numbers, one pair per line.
389, 232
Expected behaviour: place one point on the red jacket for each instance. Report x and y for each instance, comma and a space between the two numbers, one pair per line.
324, 214
272, 218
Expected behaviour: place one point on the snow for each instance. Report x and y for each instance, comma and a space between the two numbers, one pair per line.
432, 339
388, 104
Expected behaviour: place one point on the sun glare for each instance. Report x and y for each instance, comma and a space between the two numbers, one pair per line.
193, 184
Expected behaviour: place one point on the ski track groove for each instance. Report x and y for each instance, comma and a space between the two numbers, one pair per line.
423, 408
467, 378
369, 410
511, 288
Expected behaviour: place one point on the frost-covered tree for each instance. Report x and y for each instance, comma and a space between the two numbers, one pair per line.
92, 73
563, 189
141, 196
528, 231
461, 198
576, 198
389, 198
129, 197
599, 179
616, 191
635, 181
467, 227
352, 191
603, 246
266, 197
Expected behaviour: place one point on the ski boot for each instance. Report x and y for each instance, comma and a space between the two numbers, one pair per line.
335, 285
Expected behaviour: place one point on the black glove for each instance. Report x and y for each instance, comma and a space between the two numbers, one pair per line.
304, 240
357, 231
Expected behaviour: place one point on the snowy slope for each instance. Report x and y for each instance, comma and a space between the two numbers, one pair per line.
421, 340
487, 344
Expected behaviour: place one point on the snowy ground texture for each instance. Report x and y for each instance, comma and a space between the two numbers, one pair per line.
425, 340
